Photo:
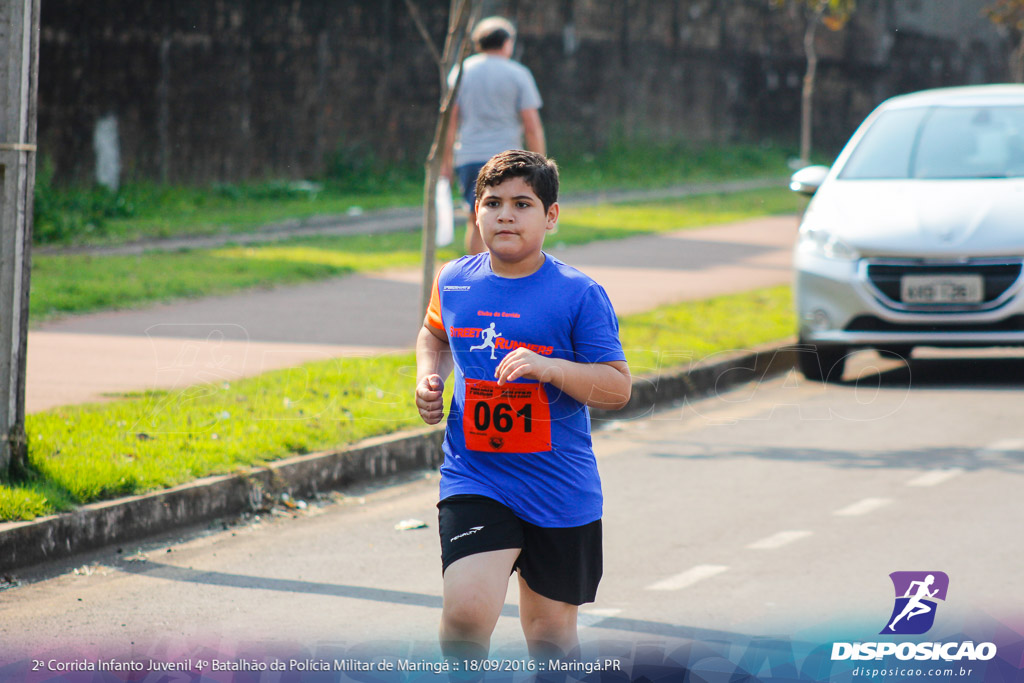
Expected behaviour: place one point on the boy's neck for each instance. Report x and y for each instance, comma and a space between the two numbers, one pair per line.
518, 269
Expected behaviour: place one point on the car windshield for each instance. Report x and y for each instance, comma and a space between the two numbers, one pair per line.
941, 143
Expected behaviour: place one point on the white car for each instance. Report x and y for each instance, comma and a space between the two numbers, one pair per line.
915, 236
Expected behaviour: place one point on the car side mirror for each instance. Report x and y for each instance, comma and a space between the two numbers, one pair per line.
808, 180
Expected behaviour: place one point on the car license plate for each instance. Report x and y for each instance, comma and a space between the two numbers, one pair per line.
941, 289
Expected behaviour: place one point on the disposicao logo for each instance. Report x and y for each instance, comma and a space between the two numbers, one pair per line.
913, 613
916, 596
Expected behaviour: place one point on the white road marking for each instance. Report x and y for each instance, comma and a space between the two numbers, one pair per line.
593, 617
688, 578
1000, 448
778, 540
862, 507
935, 477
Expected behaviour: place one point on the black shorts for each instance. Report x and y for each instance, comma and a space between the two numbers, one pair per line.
563, 564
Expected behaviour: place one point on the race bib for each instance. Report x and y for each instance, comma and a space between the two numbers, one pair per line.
511, 418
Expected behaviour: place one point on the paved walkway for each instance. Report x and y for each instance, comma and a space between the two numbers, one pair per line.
88, 358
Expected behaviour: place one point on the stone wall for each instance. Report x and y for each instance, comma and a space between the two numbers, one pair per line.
227, 90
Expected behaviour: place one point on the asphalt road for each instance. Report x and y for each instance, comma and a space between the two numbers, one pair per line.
778, 509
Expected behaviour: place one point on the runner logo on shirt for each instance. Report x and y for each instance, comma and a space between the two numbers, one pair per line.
489, 335
493, 340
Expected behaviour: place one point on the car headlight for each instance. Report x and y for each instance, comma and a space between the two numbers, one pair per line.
826, 245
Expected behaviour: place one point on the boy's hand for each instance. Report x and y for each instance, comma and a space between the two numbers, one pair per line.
429, 399
523, 363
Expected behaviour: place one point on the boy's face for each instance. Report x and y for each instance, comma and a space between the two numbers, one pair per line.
513, 221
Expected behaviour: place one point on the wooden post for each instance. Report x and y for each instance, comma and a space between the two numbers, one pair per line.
19, 42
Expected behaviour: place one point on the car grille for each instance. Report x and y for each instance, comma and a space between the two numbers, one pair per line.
998, 277
870, 323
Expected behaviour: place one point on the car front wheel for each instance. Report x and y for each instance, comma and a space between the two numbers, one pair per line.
822, 363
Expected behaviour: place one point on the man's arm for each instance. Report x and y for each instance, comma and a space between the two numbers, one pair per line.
598, 385
533, 131
434, 363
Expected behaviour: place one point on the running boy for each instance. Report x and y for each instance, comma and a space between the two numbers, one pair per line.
533, 342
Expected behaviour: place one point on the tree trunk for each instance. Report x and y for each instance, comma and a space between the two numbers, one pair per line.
1017, 63
461, 18
807, 94
19, 40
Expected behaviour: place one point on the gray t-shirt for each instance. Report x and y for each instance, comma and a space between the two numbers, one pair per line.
492, 93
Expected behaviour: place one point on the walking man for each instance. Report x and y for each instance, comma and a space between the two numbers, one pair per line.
496, 109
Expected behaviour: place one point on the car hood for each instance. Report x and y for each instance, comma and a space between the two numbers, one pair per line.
923, 218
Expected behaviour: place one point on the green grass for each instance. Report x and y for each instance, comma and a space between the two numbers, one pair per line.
98, 216
651, 162
65, 284
234, 210
580, 224
356, 181
141, 443
671, 336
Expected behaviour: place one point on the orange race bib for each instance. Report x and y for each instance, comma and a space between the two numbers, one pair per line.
511, 418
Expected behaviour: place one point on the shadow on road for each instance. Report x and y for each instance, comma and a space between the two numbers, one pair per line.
925, 459
168, 572
968, 372
869, 377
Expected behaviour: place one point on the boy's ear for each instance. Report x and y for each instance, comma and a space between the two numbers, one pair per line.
552, 218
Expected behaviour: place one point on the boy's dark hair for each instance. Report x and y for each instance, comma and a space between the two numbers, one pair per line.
536, 170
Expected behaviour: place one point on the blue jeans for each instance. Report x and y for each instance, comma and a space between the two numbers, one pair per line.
467, 180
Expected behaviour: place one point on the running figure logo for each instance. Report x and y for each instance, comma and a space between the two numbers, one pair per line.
916, 595
489, 335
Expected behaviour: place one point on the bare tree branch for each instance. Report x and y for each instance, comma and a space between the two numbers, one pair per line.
422, 28
833, 14
457, 28
462, 16
1009, 15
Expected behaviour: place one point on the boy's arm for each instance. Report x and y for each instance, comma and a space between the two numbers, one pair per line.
434, 363
598, 385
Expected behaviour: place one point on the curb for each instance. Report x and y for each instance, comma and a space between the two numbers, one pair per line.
97, 525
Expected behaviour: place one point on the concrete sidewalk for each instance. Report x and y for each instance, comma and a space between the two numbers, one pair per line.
92, 357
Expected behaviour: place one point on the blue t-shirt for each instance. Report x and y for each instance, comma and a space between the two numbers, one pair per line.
525, 444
